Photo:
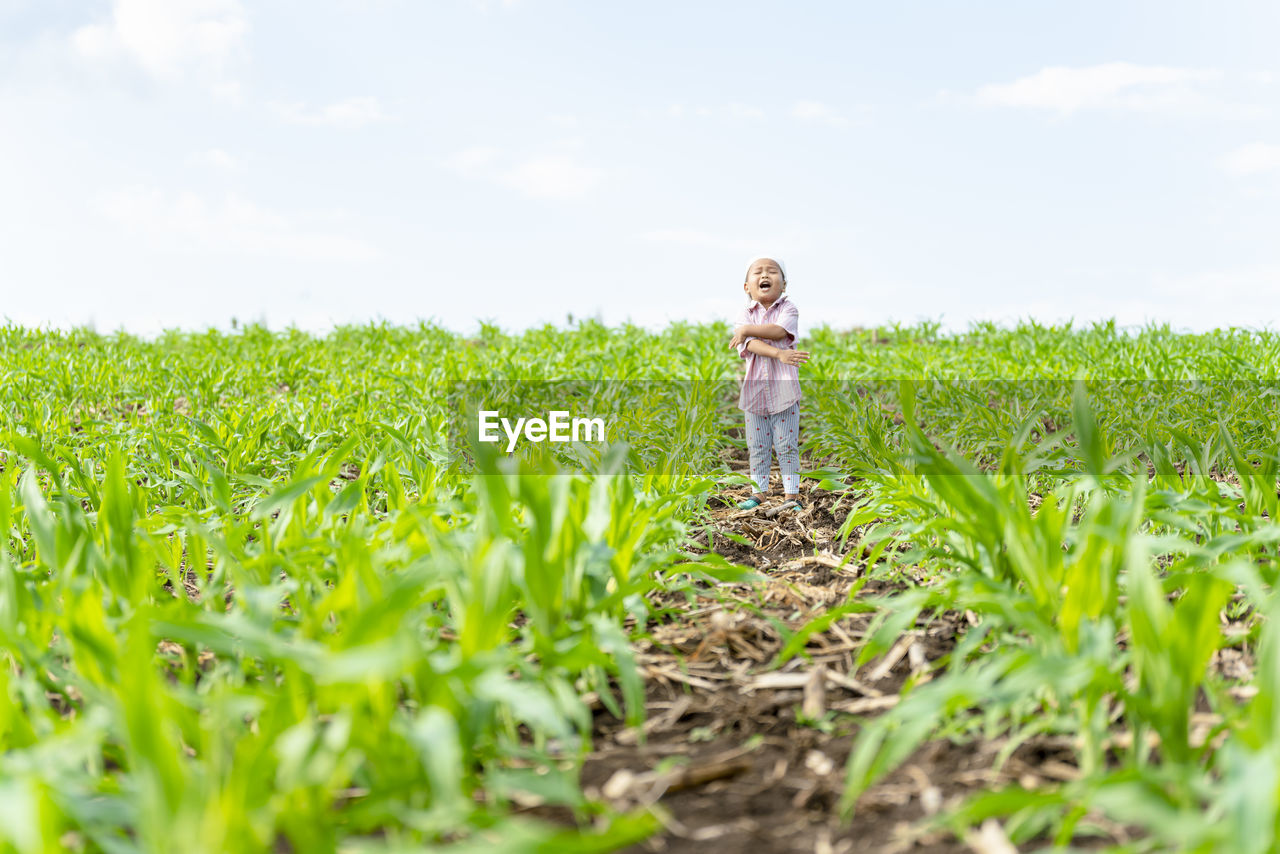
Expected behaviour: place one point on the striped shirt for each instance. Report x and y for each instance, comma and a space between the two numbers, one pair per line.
769, 386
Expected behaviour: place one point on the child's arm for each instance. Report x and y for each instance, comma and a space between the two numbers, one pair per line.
771, 331
786, 357
739, 339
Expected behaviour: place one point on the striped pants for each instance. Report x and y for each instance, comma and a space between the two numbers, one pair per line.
779, 432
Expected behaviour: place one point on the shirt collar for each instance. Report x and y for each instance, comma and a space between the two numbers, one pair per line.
755, 303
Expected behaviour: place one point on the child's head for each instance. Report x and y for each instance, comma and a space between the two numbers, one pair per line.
766, 280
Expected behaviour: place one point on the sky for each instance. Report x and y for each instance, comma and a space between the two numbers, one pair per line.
186, 163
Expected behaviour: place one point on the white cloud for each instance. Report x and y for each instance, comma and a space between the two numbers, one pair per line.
815, 111
1112, 85
551, 176
188, 221
1251, 159
349, 113
215, 158
167, 37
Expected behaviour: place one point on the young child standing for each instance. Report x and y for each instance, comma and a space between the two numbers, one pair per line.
765, 335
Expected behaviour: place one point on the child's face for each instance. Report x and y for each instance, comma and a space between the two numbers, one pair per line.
764, 282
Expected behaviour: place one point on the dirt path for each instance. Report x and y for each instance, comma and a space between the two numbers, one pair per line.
739, 756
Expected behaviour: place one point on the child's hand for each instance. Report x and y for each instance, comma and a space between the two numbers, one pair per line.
793, 357
738, 337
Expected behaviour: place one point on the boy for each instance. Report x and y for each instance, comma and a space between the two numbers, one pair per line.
765, 336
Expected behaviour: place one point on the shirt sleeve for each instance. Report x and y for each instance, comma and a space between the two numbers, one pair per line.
744, 318
789, 319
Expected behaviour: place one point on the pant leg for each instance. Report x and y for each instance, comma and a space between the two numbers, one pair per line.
786, 444
759, 443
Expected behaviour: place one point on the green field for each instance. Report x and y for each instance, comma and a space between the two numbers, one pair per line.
260, 592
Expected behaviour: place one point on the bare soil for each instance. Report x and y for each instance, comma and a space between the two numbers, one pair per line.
739, 755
